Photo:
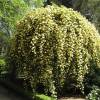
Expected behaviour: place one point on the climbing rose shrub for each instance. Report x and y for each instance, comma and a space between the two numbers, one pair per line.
54, 46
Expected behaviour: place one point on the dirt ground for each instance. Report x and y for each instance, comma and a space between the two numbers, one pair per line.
71, 98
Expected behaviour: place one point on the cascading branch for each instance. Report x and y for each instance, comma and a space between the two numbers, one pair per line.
54, 46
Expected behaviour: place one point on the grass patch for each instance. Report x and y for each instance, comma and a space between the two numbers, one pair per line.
43, 97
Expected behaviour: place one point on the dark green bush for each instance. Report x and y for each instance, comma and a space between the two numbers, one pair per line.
2, 65
94, 94
3, 69
54, 46
91, 79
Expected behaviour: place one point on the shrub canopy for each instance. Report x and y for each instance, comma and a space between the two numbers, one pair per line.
54, 46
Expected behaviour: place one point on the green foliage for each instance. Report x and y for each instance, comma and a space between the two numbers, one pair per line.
10, 11
91, 79
43, 97
94, 6
2, 62
4, 43
38, 3
93, 76
89, 8
94, 94
2, 65
54, 46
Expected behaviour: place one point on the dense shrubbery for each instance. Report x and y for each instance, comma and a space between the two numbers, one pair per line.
94, 94
54, 46
2, 65
91, 79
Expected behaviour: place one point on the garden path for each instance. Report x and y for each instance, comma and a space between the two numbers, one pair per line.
71, 98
